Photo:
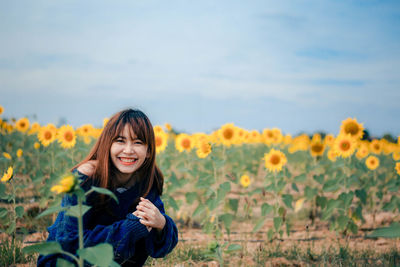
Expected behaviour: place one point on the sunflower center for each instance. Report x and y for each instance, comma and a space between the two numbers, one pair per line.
228, 134
47, 135
186, 143
22, 124
352, 128
68, 136
317, 148
345, 145
159, 141
275, 159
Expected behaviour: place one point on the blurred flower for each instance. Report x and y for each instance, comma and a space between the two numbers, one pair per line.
66, 136
34, 128
362, 151
396, 155
332, 155
157, 129
352, 127
227, 134
274, 160
65, 185
317, 148
7, 175
168, 126
344, 145
329, 140
36, 145
22, 125
375, 146
183, 142
1, 109
20, 152
47, 135
299, 204
203, 149
87, 140
372, 162
161, 139
85, 130
245, 180
105, 121
397, 168
6, 155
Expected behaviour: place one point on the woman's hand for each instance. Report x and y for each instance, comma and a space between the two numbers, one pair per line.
88, 168
149, 214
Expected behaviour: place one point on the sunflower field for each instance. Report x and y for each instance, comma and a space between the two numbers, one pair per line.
258, 184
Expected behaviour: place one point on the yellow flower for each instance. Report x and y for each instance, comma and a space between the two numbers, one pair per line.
87, 140
22, 125
161, 139
7, 175
6, 155
352, 127
362, 151
299, 204
157, 129
274, 160
317, 148
372, 162
66, 185
34, 128
1, 109
344, 145
85, 130
183, 142
36, 145
105, 121
47, 135
66, 136
332, 155
245, 180
397, 168
375, 146
203, 149
20, 153
168, 126
268, 136
329, 140
396, 155
228, 134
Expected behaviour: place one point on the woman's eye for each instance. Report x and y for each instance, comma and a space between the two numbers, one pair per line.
119, 140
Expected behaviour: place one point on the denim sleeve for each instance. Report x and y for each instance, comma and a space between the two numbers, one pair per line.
122, 235
158, 245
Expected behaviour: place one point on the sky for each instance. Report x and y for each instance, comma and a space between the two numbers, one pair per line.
301, 66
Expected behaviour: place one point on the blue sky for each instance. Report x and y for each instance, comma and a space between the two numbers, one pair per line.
296, 65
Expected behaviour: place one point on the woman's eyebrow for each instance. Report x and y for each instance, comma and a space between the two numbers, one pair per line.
120, 136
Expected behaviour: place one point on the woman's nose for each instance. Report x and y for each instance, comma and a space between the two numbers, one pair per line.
128, 149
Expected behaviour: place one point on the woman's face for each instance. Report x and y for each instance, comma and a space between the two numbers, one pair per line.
127, 154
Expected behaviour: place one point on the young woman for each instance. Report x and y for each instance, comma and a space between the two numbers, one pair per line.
123, 161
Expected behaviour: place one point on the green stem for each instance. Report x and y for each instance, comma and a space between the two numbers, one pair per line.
80, 229
14, 218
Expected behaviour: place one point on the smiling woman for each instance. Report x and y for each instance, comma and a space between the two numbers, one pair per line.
123, 161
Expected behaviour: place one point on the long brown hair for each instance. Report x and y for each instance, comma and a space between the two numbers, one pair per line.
141, 126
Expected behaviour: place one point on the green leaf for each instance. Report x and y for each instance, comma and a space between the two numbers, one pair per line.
393, 231
211, 203
103, 191
321, 201
277, 223
225, 187
310, 193
2, 190
319, 178
11, 228
51, 210
232, 248
259, 224
265, 209
64, 263
233, 204
3, 212
287, 199
100, 255
342, 222
227, 219
294, 187
190, 197
331, 185
19, 210
74, 210
199, 210
46, 248
362, 195
172, 203
300, 178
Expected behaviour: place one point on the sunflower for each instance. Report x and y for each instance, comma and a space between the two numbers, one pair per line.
396, 155
7, 175
287, 139
168, 126
245, 180
22, 125
362, 151
161, 139
397, 168
1, 109
344, 145
157, 129
254, 137
274, 160
332, 155
329, 140
105, 121
85, 130
372, 162
46, 135
66, 185
20, 152
36, 145
87, 140
317, 148
277, 136
203, 149
34, 128
228, 134
375, 146
352, 127
268, 136
184, 142
66, 136
7, 155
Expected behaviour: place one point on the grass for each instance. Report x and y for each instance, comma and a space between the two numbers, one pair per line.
9, 248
